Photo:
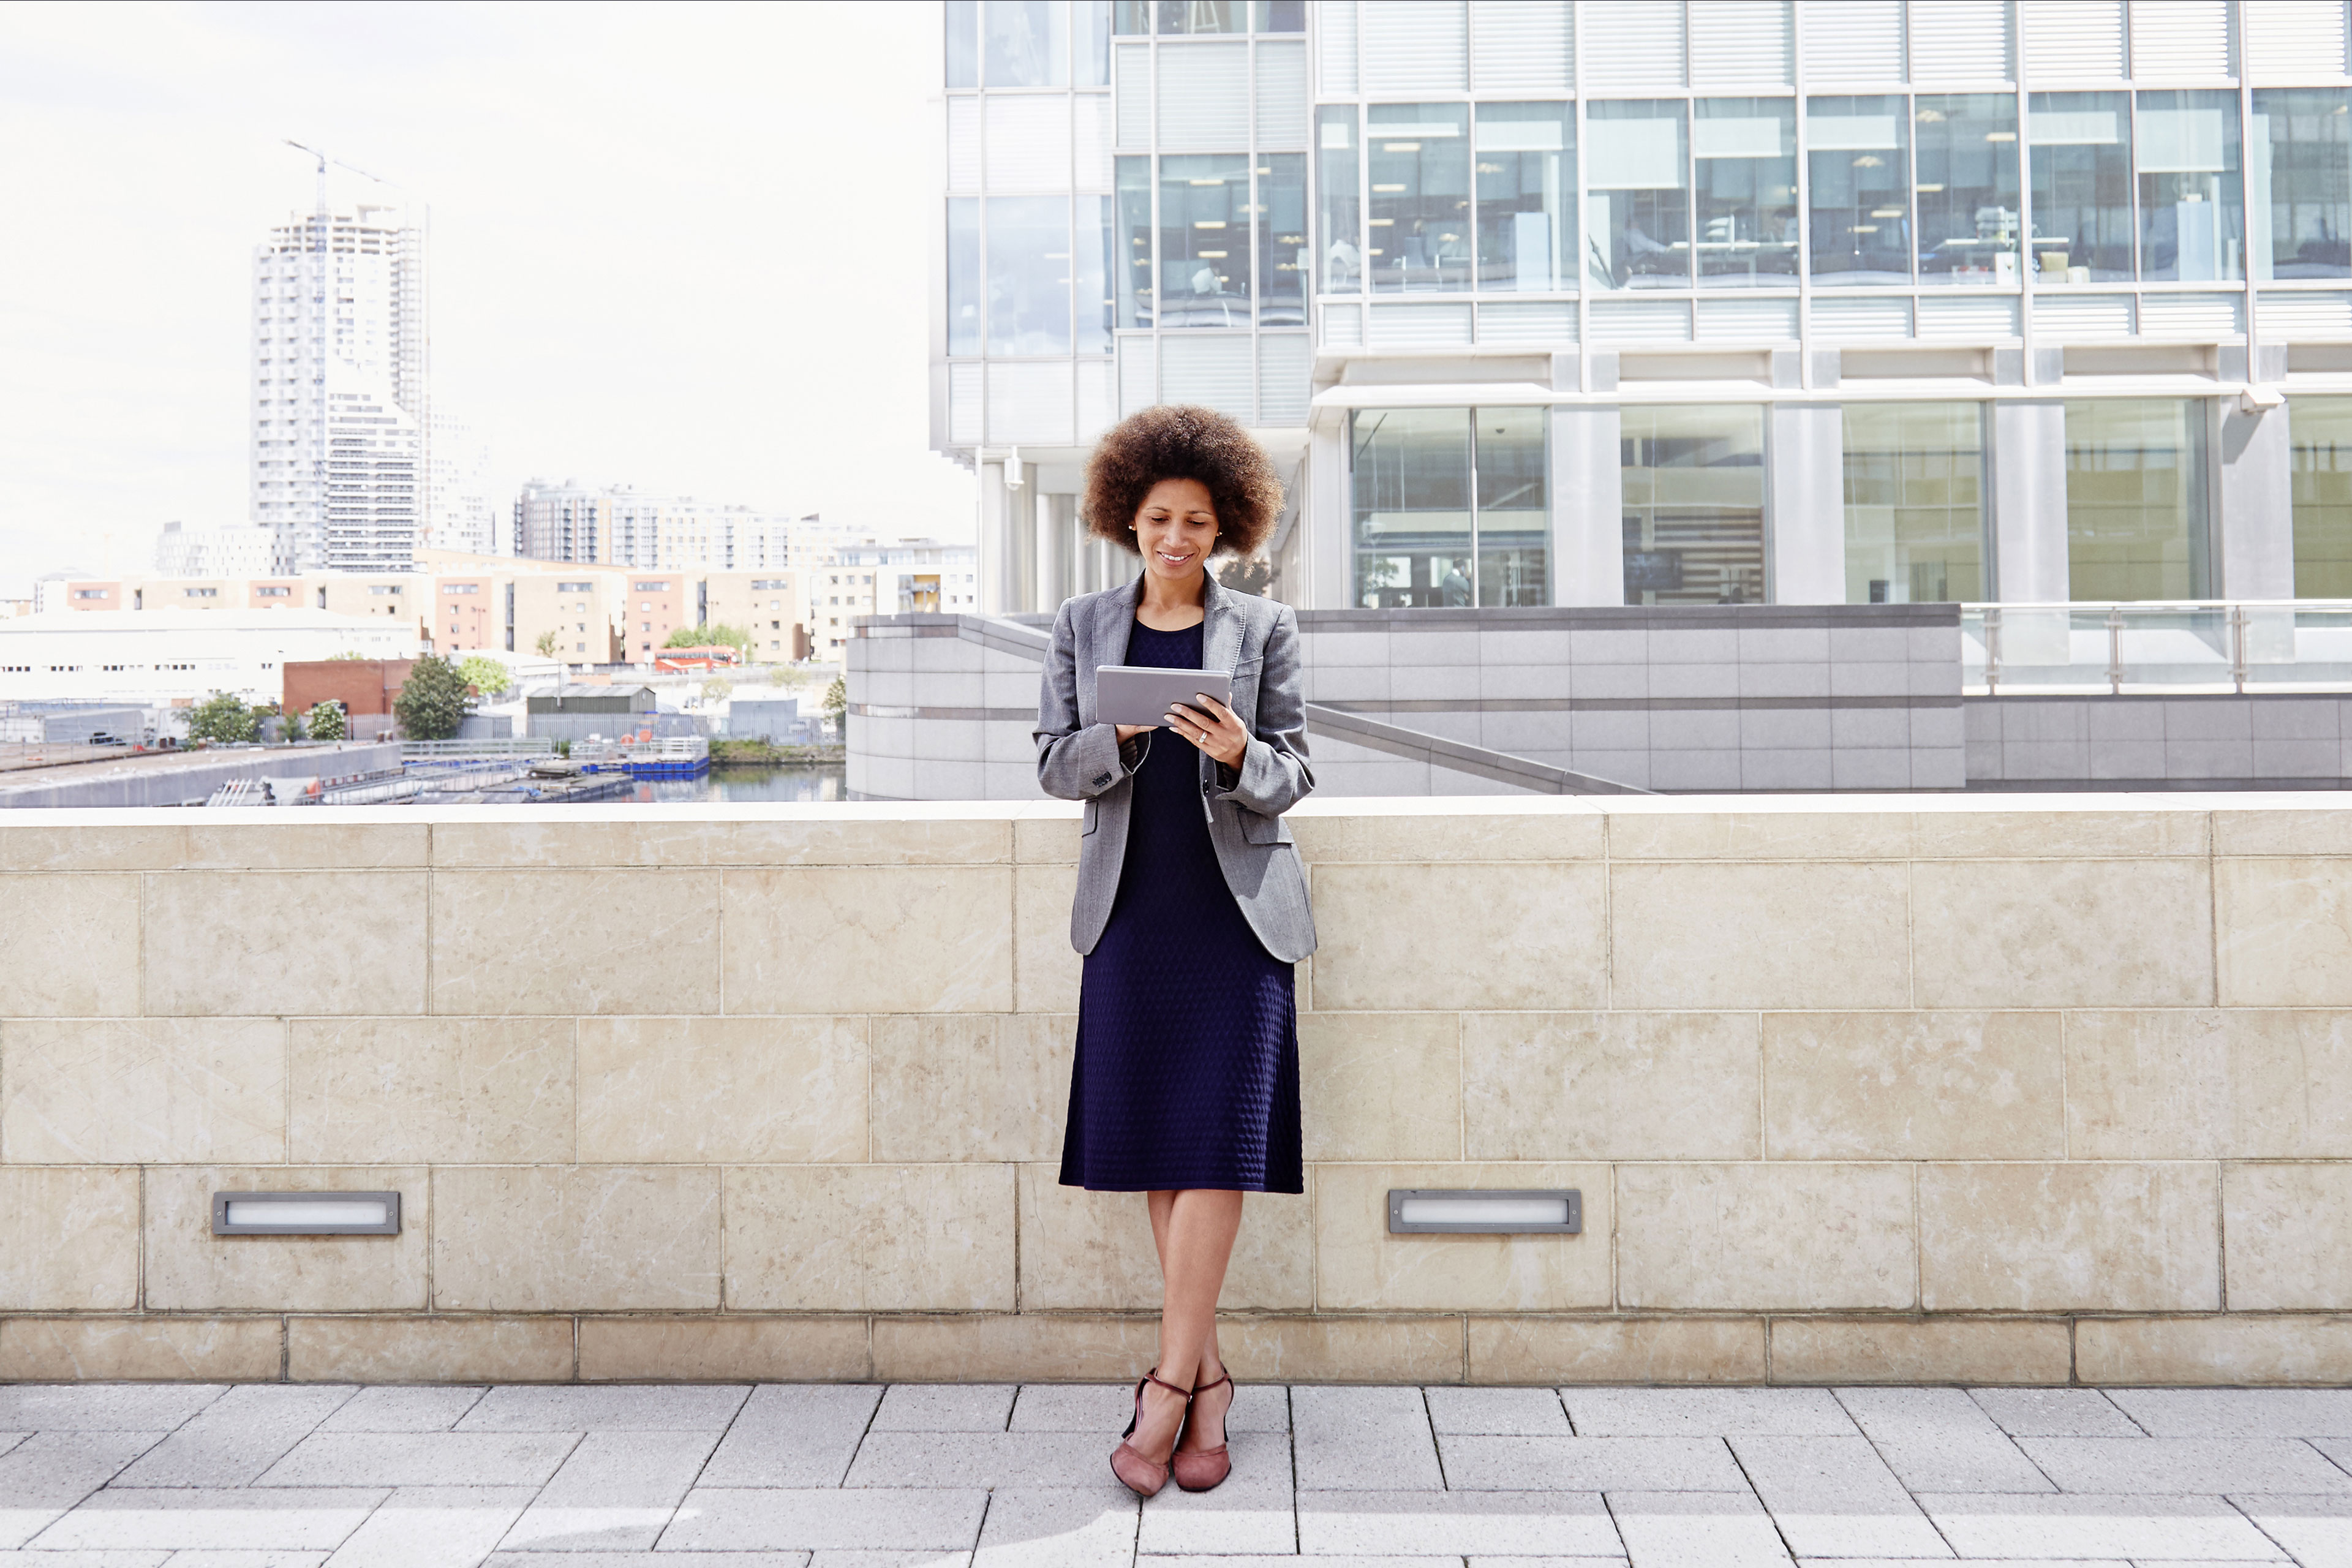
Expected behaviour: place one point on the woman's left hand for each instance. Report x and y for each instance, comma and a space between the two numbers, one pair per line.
1212, 727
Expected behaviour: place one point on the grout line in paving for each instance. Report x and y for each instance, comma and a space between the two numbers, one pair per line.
1429, 1415
1778, 1533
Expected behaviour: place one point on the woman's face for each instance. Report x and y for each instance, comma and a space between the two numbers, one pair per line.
1176, 526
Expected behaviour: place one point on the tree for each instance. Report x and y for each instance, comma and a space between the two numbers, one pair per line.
485, 675
291, 730
326, 720
545, 645
1253, 575
719, 636
836, 706
223, 719
347, 653
433, 701
716, 689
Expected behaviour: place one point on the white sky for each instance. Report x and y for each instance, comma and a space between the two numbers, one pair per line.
678, 246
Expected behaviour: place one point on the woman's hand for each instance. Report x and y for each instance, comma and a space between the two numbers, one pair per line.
1212, 727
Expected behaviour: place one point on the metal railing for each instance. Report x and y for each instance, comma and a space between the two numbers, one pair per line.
2187, 646
504, 747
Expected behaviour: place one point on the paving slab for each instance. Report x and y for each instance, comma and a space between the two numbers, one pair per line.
715, 1519
2185, 1466
948, 1407
1051, 1460
394, 1409
1697, 1530
1497, 1412
422, 1459
233, 1439
794, 1435
1476, 1561
2235, 1411
506, 1558
2055, 1413
216, 1517
1832, 1497
2080, 1525
432, 1527
1057, 1528
1591, 1465
1940, 1441
1358, 1524
231, 1557
93, 1559
102, 1407
1254, 1510
2317, 1531
1706, 1412
1107, 1408
660, 1407
879, 1560
49, 1472
1372, 1439
615, 1490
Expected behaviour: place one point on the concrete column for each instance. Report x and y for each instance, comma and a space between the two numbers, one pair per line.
1051, 553
1324, 511
2257, 524
1588, 507
1806, 465
998, 589
2029, 502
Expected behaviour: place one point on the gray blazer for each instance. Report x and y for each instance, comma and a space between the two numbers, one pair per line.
1077, 759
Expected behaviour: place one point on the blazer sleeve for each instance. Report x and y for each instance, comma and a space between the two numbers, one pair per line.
1274, 775
1074, 761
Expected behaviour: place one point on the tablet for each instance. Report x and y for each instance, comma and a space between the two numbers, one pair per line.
1142, 694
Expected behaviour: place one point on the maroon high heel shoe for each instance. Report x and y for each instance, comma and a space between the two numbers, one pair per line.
1138, 1470
1202, 1470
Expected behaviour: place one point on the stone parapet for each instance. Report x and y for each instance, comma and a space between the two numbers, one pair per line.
1980, 1090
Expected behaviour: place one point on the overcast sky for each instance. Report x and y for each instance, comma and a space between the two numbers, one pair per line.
673, 246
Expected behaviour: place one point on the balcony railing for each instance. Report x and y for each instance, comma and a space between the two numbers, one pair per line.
2200, 646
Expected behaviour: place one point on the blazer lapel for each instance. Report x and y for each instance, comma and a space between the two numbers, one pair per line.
1115, 621
1220, 635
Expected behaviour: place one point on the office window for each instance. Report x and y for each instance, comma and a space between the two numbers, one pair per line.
963, 43
1342, 203
1090, 42
2302, 221
1283, 257
1858, 157
2082, 176
1028, 275
1419, 157
1132, 16
1204, 271
1694, 504
1636, 212
1028, 43
1091, 281
2191, 209
1131, 242
1745, 154
1914, 503
2136, 515
963, 275
1970, 221
1280, 15
1526, 155
1450, 507
1180, 18
2319, 443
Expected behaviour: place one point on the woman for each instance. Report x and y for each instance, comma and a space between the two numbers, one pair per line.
1190, 906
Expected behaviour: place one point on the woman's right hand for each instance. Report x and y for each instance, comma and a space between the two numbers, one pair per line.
1128, 732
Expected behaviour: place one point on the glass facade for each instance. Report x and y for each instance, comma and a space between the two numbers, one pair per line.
1028, 275
1971, 222
1419, 160
2080, 154
2301, 206
1744, 153
1637, 207
2319, 435
1694, 504
1130, 243
1449, 507
1026, 42
1341, 208
1526, 155
2136, 503
1858, 158
1280, 225
1204, 240
2192, 218
1914, 518
963, 275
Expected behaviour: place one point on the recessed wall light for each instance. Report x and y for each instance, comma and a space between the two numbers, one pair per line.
1459, 1210
306, 1213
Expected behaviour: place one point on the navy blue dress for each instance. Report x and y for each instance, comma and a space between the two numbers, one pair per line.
1186, 1071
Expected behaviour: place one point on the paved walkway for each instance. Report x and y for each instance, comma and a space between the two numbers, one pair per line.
132, 1475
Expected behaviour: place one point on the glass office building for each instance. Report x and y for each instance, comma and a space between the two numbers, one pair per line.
1668, 302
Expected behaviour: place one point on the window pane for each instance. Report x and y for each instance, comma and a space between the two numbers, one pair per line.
1513, 520
1132, 243
1179, 17
1745, 150
2191, 213
2082, 186
1204, 279
2308, 206
963, 43
1636, 214
1411, 494
1283, 257
963, 275
1092, 279
1343, 257
1914, 503
1090, 41
1968, 187
2135, 500
1693, 518
1132, 16
1526, 188
2319, 439
1028, 43
1028, 275
1281, 15
1856, 155
1419, 220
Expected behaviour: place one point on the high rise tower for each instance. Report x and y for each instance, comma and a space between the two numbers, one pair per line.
341, 411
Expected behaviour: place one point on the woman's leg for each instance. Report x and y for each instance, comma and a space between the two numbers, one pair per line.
1194, 1231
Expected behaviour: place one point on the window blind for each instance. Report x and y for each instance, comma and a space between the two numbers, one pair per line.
2073, 40
2180, 40
1631, 44
1028, 143
2291, 41
1960, 40
1335, 22
1416, 46
963, 144
1522, 46
1851, 42
1204, 97
1282, 94
1131, 71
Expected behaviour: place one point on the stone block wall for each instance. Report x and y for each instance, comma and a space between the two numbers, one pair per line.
1998, 1090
